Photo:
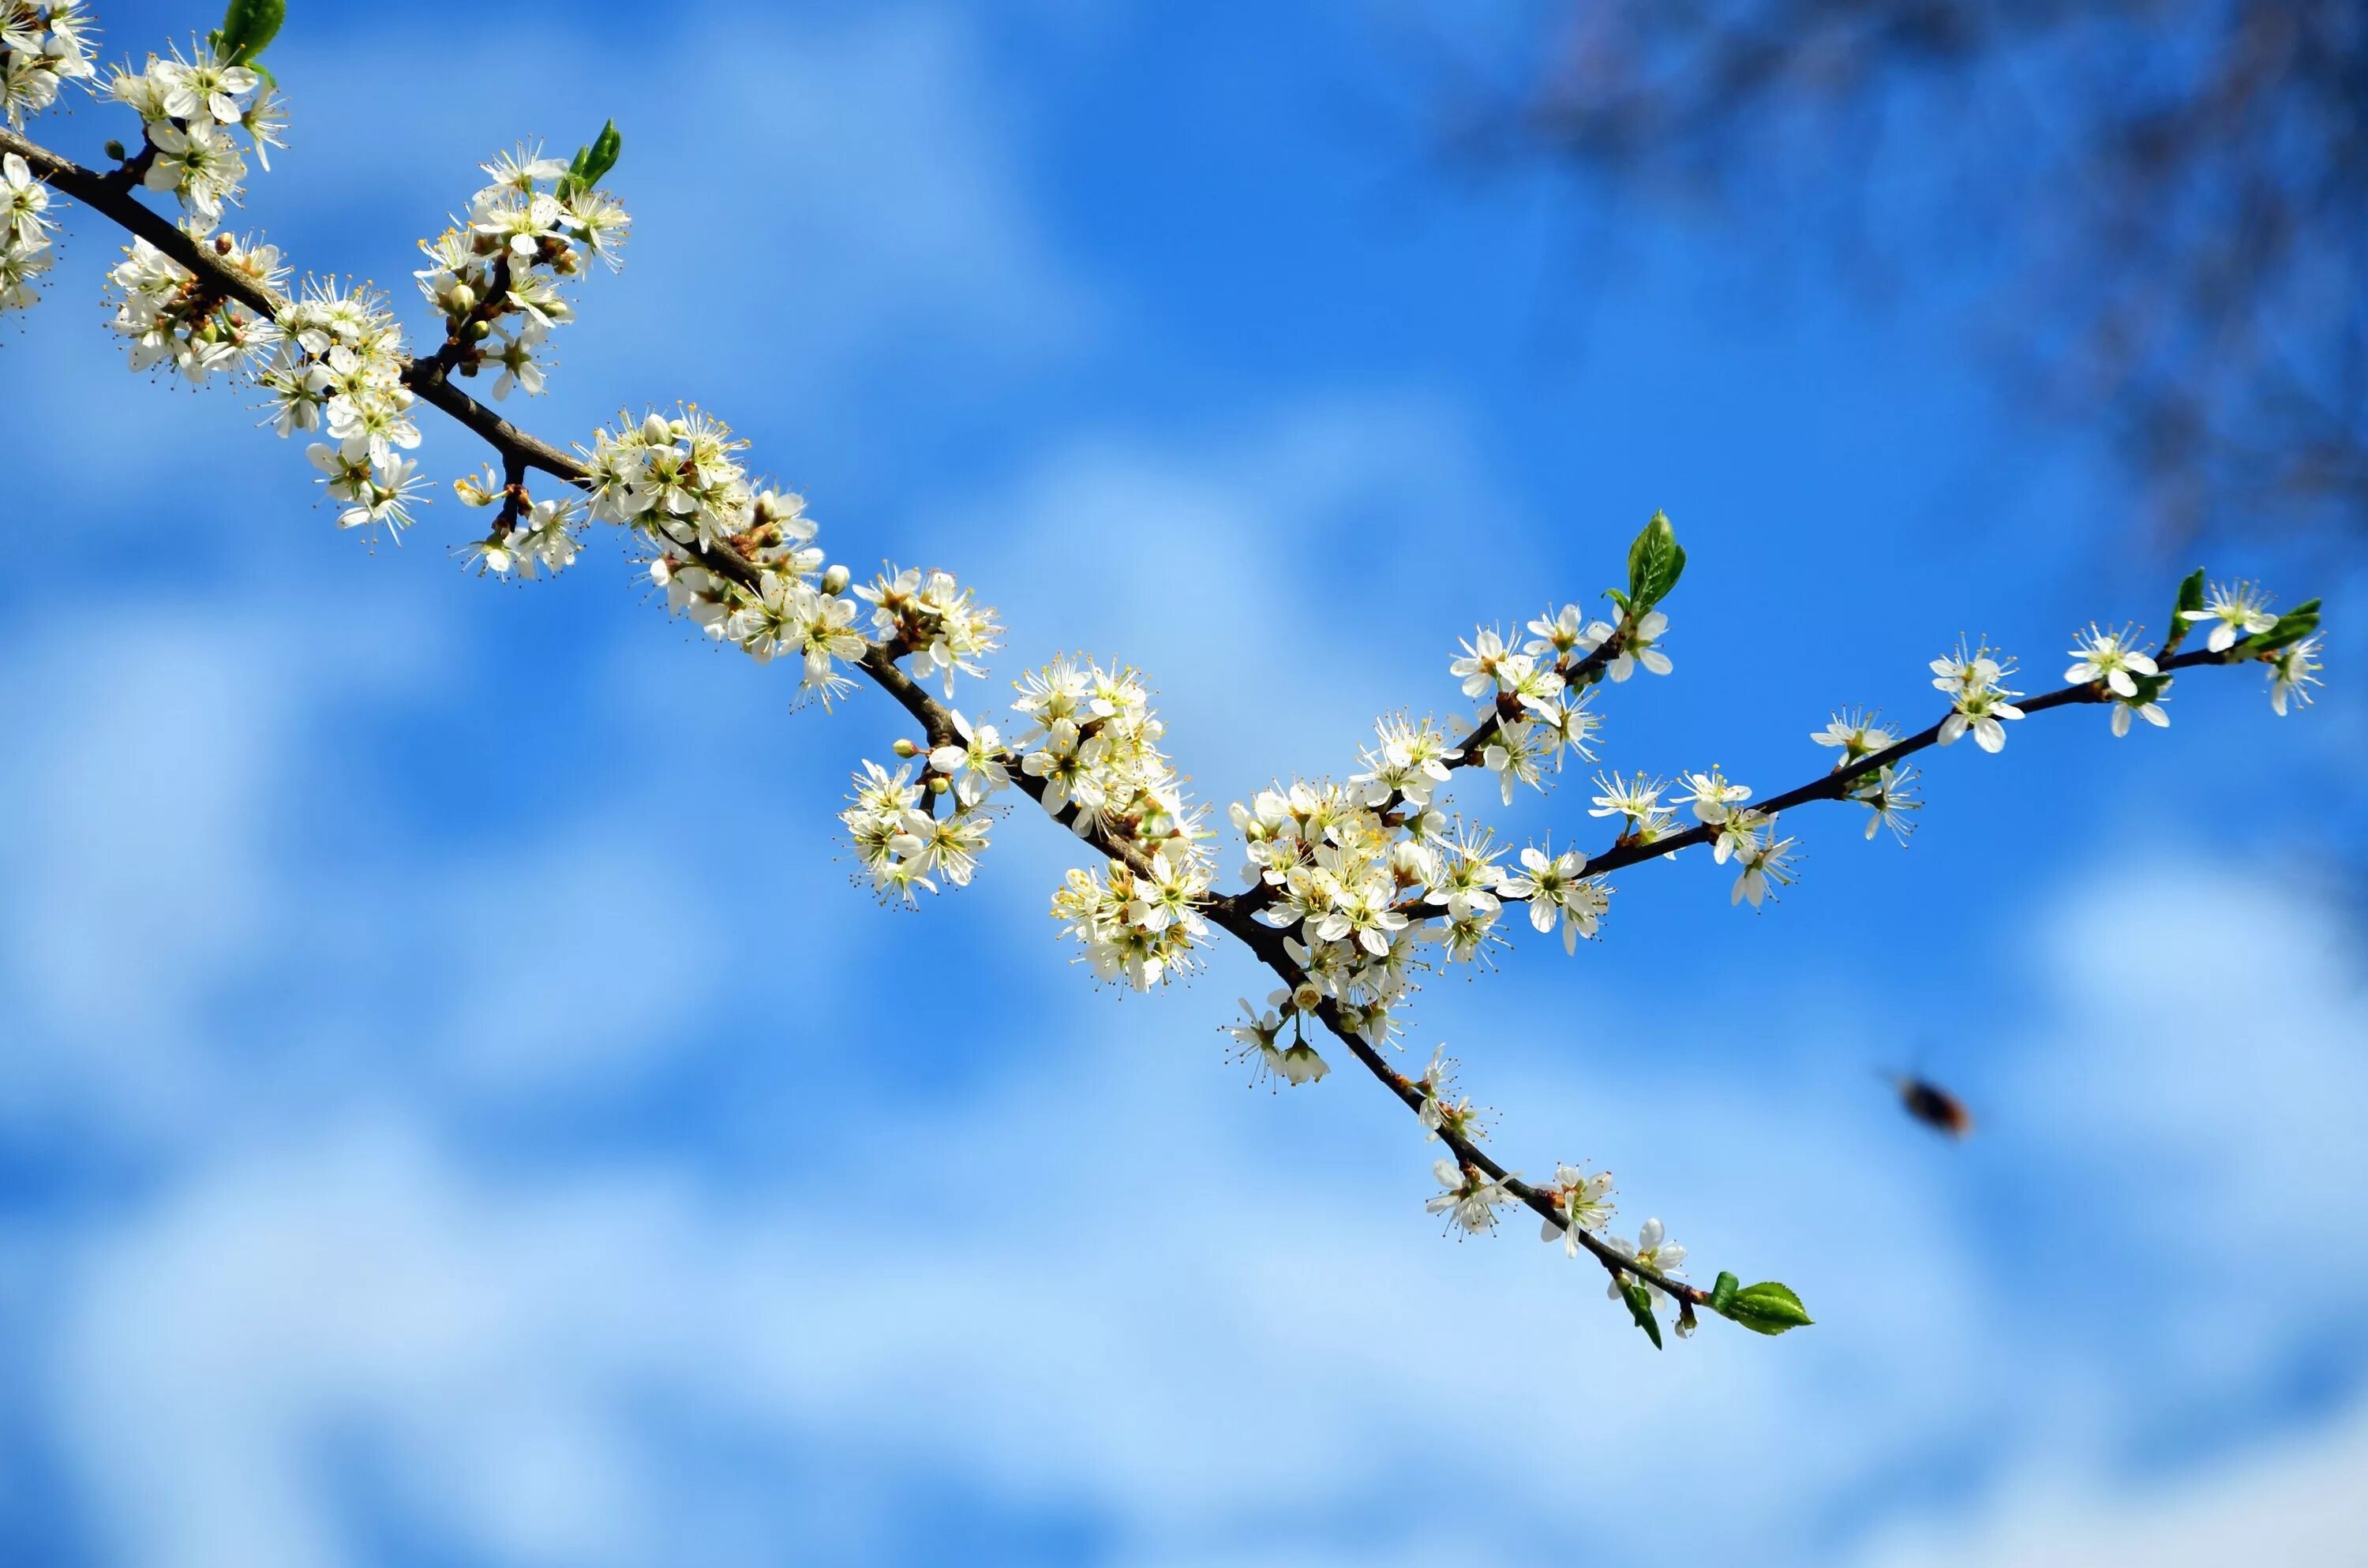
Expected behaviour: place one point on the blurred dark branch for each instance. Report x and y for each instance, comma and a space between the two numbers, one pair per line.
2165, 201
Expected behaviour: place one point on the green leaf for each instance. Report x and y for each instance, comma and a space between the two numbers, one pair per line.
592, 163
1722, 1292
2293, 626
1616, 597
247, 26
1655, 562
1640, 1307
2191, 592
1767, 1308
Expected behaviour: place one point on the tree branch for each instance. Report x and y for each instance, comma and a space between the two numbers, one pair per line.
428, 380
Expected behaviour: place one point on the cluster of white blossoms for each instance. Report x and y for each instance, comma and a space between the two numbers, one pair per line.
1539, 693
1092, 749
930, 615
1363, 888
1259, 1037
528, 535
42, 47
903, 838
2241, 610
1978, 697
1889, 792
1747, 836
172, 317
909, 834
680, 484
496, 276
1336, 868
195, 111
332, 361
24, 232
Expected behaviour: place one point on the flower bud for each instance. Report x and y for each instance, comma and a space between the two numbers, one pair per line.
938, 784
835, 581
461, 299
114, 150
905, 747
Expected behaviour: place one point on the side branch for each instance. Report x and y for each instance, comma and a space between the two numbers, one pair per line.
1836, 786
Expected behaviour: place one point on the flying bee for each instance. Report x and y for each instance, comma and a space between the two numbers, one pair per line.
1933, 1105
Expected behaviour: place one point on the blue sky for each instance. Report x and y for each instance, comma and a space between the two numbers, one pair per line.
421, 1143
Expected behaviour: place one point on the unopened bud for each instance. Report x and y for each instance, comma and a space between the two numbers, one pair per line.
905, 747
480, 330
461, 299
115, 150
835, 580
938, 784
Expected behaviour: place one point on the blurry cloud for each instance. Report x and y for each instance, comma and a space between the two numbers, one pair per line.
2302, 1496
1155, 1319
1192, 558
156, 779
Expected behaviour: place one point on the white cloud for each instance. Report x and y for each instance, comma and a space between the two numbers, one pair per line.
1111, 1283
1096, 1289
156, 779
2300, 1497
1207, 564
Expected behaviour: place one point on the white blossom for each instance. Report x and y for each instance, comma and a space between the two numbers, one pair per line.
169, 319
2294, 669
1555, 890
1710, 793
195, 111
1889, 794
1442, 1110
976, 765
25, 250
42, 47
1762, 861
500, 274
1651, 1249
1858, 734
1583, 1200
1638, 647
1484, 658
2236, 609
1472, 1196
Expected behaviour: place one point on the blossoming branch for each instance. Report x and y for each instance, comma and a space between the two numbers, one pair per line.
1352, 889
